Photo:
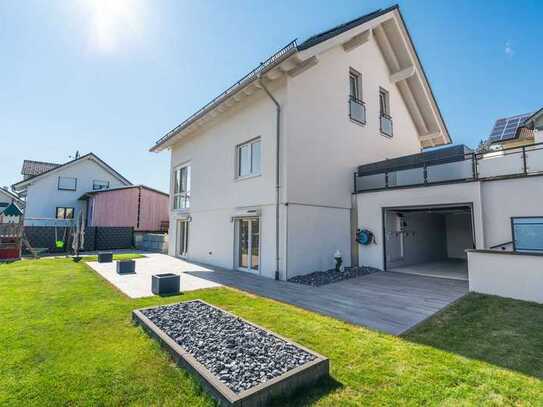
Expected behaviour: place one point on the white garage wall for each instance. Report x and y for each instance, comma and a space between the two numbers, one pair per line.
518, 276
370, 206
504, 199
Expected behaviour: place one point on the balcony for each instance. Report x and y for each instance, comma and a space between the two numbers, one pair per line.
386, 124
357, 110
449, 165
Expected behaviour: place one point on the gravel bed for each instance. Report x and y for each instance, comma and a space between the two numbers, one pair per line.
318, 278
237, 353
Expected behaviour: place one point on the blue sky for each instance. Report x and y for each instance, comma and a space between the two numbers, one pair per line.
113, 76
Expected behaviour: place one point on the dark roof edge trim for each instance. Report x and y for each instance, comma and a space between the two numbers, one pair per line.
88, 155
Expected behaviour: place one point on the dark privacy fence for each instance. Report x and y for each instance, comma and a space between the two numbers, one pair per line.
96, 238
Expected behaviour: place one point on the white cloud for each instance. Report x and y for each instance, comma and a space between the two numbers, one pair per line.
509, 51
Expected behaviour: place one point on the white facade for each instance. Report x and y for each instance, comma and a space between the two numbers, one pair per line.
43, 195
508, 275
320, 148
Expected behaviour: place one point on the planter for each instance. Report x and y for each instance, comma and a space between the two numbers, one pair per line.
200, 336
126, 267
105, 257
166, 284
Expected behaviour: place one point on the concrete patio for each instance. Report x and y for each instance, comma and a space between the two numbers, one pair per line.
138, 285
386, 301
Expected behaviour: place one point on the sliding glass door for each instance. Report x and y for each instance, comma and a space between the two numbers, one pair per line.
248, 244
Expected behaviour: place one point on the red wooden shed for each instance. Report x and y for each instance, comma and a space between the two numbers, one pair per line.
138, 206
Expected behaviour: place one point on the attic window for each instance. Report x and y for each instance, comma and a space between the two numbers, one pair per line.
67, 183
98, 185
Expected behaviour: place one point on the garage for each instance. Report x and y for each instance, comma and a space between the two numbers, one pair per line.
429, 241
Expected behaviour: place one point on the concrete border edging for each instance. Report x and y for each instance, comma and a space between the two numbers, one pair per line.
258, 395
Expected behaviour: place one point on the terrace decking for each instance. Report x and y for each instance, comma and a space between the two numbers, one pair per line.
385, 301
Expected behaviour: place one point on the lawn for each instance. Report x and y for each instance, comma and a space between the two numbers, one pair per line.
67, 338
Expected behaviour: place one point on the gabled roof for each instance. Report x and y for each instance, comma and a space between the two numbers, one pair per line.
90, 156
294, 59
32, 168
339, 29
11, 210
11, 195
530, 121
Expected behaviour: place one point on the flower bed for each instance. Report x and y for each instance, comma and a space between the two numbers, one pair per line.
318, 278
239, 361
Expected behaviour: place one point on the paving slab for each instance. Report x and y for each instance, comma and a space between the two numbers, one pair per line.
138, 285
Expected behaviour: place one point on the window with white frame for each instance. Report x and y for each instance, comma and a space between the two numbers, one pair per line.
249, 157
355, 84
357, 108
181, 188
384, 113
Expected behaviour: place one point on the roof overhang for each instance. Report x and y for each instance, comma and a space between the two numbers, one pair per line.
535, 121
386, 27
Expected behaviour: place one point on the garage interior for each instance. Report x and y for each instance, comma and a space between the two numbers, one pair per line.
429, 241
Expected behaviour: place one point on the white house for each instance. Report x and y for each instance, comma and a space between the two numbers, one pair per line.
53, 190
262, 176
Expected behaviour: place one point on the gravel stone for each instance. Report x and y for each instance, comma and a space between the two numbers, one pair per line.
318, 278
237, 353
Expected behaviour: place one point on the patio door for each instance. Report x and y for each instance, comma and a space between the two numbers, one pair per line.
248, 244
182, 237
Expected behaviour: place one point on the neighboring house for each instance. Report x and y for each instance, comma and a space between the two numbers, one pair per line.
32, 168
262, 176
535, 123
7, 198
10, 214
138, 206
53, 191
510, 132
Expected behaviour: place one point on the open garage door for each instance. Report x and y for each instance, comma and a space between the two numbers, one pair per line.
430, 241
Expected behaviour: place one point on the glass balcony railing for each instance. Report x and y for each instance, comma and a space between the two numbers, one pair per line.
386, 124
357, 110
509, 162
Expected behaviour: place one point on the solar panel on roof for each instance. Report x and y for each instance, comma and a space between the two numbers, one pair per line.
506, 128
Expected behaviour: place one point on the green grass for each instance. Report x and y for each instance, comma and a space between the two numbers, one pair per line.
66, 338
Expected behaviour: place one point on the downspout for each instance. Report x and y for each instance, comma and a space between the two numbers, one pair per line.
277, 156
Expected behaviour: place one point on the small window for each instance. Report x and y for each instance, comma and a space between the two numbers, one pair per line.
249, 159
65, 213
385, 119
97, 185
181, 188
528, 233
384, 102
355, 85
67, 183
357, 108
